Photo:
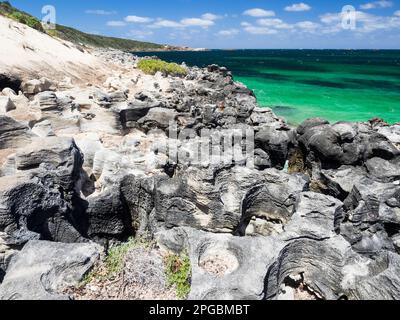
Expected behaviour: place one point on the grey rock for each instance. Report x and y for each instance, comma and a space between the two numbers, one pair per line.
13, 134
108, 216
340, 182
276, 143
42, 270
221, 263
384, 170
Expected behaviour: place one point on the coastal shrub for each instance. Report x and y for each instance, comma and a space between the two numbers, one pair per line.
26, 19
179, 272
166, 68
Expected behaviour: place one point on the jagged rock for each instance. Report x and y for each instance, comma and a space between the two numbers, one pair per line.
157, 118
43, 129
221, 263
13, 134
316, 217
340, 182
138, 194
30, 210
6, 105
108, 216
392, 133
372, 212
384, 170
55, 153
268, 204
329, 269
342, 144
35, 86
42, 270
276, 143
47, 101
226, 200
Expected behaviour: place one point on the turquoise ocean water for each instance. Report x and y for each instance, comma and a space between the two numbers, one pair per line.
339, 85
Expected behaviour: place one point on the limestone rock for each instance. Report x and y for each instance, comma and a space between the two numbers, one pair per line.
42, 270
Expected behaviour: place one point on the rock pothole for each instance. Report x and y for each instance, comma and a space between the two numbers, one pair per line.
218, 261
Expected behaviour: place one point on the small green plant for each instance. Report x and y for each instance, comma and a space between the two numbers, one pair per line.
114, 262
166, 68
179, 272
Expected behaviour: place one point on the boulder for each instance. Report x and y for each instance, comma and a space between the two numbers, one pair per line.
276, 143
6, 105
36, 86
42, 270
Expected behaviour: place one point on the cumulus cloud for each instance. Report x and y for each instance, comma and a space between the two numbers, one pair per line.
197, 22
297, 7
163, 23
100, 12
137, 19
274, 23
228, 32
376, 4
115, 23
259, 13
211, 16
397, 13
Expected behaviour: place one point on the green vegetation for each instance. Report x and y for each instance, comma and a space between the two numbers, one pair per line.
178, 270
154, 66
9, 11
76, 36
114, 262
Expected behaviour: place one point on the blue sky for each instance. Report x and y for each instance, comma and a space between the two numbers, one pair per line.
233, 23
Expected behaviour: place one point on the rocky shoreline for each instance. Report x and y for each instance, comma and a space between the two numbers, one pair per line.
315, 216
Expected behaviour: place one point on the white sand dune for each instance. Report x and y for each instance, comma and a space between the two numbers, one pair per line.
27, 53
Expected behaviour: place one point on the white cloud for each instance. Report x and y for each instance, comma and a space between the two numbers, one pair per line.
228, 32
274, 23
308, 26
377, 4
365, 22
397, 13
140, 34
136, 19
259, 13
297, 7
116, 23
197, 22
162, 23
100, 12
257, 30
211, 16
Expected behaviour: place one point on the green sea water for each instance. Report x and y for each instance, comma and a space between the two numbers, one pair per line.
339, 85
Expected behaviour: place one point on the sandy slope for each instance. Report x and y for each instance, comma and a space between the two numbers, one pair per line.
30, 53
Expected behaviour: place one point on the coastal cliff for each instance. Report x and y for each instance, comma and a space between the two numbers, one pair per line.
86, 166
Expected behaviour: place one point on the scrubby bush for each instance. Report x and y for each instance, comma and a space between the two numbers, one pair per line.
26, 19
154, 66
179, 272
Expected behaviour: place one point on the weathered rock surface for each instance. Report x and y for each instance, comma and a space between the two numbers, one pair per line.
313, 212
42, 270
